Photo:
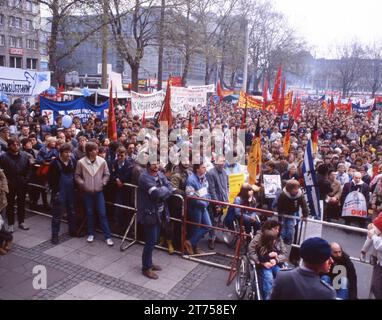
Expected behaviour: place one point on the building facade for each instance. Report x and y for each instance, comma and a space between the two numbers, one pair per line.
19, 34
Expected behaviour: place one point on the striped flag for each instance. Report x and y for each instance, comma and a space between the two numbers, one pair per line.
310, 180
315, 137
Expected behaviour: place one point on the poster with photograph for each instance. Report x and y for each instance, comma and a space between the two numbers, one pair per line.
272, 184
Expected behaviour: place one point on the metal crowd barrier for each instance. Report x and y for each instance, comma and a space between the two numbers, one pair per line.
127, 242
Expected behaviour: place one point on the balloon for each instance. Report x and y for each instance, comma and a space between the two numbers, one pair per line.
67, 121
86, 92
51, 91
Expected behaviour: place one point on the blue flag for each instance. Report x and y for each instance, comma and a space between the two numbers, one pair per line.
311, 184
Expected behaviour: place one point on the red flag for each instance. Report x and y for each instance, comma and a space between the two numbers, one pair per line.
128, 106
287, 141
332, 108
339, 103
244, 121
190, 125
111, 122
315, 137
276, 90
349, 108
166, 114
369, 113
281, 104
375, 169
297, 111
219, 91
144, 119
265, 95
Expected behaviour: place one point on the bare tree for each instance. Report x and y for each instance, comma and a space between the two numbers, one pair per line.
373, 72
349, 65
133, 25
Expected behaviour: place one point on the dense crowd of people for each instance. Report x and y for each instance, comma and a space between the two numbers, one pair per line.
82, 157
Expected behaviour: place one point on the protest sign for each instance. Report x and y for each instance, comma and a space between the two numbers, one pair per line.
235, 183
184, 99
272, 184
355, 205
19, 82
149, 104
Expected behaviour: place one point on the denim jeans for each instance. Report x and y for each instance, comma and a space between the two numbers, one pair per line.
202, 217
268, 276
120, 213
151, 239
96, 201
288, 230
342, 293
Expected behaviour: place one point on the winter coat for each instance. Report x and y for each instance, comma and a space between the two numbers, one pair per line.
3, 190
122, 173
92, 177
289, 205
150, 194
280, 247
17, 169
218, 184
351, 274
194, 186
351, 186
57, 167
376, 197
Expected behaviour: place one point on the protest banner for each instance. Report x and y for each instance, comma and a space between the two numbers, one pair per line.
80, 108
210, 88
250, 102
19, 82
184, 99
272, 184
148, 104
355, 205
235, 183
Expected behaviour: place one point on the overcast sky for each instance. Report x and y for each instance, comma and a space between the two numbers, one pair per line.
325, 22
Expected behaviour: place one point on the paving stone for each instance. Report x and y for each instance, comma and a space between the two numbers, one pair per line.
59, 251
77, 257
85, 290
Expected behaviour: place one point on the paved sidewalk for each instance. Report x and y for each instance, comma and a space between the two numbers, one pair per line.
77, 270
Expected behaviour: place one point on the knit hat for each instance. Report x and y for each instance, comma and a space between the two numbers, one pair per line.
315, 251
378, 222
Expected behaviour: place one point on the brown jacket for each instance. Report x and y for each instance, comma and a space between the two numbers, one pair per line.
3, 190
92, 177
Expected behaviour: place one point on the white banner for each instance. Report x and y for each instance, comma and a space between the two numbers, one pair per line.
149, 104
210, 88
355, 205
184, 99
19, 82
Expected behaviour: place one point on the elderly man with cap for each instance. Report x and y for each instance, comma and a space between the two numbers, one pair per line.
374, 241
304, 283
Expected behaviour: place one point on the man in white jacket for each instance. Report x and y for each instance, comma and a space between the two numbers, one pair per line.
374, 241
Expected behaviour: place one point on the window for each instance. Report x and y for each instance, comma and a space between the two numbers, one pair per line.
29, 44
15, 42
2, 40
29, 25
14, 3
35, 8
32, 64
15, 22
35, 45
2, 61
1, 19
15, 62
28, 6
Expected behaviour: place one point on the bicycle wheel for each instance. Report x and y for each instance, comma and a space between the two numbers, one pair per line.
242, 274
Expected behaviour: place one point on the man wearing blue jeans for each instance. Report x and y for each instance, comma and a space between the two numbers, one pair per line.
92, 175
289, 203
154, 189
197, 185
61, 181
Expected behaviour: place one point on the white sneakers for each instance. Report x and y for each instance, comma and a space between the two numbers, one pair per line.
109, 242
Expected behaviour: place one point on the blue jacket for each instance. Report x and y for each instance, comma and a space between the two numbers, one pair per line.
123, 173
149, 195
46, 155
193, 185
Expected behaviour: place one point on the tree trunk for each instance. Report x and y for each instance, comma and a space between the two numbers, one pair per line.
232, 83
160, 51
186, 67
105, 42
134, 76
207, 74
53, 45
